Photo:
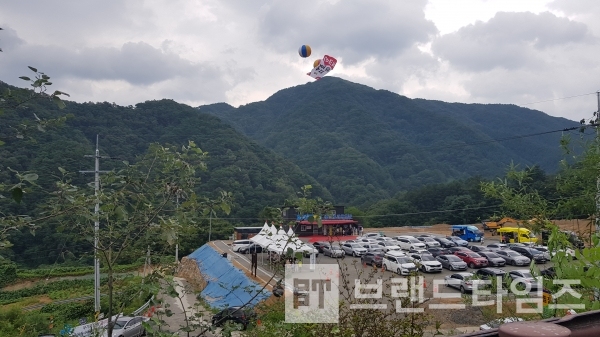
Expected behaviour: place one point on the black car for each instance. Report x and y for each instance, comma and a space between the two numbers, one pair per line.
252, 248
478, 249
238, 315
445, 243
532, 254
439, 251
494, 260
492, 274
459, 249
320, 244
548, 273
372, 258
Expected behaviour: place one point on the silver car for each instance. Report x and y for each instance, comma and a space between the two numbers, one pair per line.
452, 262
126, 326
353, 249
333, 251
513, 258
525, 278
461, 281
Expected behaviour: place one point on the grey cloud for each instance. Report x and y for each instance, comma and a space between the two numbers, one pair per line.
354, 29
509, 40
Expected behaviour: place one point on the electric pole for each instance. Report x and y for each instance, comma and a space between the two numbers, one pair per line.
96, 225
597, 120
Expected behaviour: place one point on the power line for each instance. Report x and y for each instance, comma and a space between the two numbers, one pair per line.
557, 99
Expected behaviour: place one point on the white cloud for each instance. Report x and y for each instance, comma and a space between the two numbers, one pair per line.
240, 51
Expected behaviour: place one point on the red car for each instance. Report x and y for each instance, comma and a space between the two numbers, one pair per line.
473, 260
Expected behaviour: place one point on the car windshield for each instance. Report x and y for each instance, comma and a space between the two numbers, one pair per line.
527, 275
120, 324
492, 255
413, 240
403, 260
355, 245
534, 252
473, 255
336, 247
453, 258
427, 258
513, 253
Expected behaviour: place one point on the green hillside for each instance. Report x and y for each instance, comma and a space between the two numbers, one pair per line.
364, 144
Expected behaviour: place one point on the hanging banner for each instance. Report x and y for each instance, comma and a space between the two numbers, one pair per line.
322, 67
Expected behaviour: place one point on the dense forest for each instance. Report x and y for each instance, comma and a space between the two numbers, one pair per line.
390, 160
366, 145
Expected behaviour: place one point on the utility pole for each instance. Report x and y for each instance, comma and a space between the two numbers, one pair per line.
177, 238
146, 264
597, 120
96, 225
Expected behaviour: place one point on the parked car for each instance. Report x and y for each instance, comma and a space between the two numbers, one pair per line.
532, 254
427, 263
459, 249
478, 249
308, 250
445, 243
544, 251
371, 235
333, 250
428, 241
492, 274
496, 246
252, 248
372, 247
384, 238
367, 240
126, 326
389, 245
473, 260
438, 251
399, 263
237, 244
458, 241
320, 244
460, 281
515, 244
524, 277
242, 316
353, 249
408, 242
548, 273
513, 258
373, 258
418, 251
452, 262
494, 260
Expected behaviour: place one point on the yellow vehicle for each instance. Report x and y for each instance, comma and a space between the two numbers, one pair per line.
495, 225
514, 234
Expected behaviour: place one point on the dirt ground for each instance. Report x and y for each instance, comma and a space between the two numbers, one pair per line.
582, 227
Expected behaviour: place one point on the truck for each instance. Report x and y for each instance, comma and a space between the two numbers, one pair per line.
516, 234
493, 226
468, 233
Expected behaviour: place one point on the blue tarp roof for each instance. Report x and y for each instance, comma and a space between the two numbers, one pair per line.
227, 285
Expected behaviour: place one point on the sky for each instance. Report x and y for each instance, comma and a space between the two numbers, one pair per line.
539, 54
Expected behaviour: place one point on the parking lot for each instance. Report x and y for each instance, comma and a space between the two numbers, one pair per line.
352, 269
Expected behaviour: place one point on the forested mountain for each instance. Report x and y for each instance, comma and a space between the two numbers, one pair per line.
257, 177
365, 145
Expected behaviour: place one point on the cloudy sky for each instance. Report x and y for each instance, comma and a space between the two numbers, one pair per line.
241, 51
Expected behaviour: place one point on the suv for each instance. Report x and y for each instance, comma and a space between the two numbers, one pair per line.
532, 254
353, 249
373, 258
445, 243
388, 245
473, 260
372, 247
409, 242
238, 315
398, 262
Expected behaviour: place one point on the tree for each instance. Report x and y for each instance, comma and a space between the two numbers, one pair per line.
141, 198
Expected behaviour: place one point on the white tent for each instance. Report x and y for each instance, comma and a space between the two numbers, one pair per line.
262, 238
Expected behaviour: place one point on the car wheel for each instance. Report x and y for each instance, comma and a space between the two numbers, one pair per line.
385, 267
450, 267
399, 271
462, 290
471, 265
423, 269
354, 254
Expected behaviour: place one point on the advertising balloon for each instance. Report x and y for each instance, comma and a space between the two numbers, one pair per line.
304, 50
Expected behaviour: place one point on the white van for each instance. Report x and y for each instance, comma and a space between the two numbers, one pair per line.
237, 244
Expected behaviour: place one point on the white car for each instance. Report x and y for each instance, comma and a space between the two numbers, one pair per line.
497, 322
237, 244
387, 246
408, 242
371, 235
399, 263
128, 327
426, 262
366, 240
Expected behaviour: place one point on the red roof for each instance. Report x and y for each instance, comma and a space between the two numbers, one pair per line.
330, 222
